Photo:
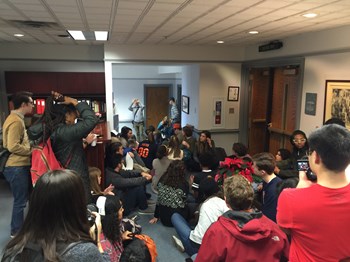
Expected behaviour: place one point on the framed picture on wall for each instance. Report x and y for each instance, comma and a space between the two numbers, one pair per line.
233, 93
337, 100
186, 104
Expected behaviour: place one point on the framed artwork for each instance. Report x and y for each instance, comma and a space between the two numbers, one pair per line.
186, 104
310, 104
337, 100
233, 93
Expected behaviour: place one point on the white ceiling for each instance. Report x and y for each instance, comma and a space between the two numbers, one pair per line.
169, 22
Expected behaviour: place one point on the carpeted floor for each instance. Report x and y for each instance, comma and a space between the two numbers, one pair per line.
162, 235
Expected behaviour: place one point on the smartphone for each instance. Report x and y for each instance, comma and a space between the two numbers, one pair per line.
303, 165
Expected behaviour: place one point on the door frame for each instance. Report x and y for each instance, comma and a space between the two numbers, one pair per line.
170, 89
245, 92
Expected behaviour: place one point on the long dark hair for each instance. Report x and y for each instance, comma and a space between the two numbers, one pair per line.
54, 114
57, 213
175, 174
110, 222
174, 146
124, 132
203, 146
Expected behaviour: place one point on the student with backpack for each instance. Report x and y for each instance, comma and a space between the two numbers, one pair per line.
66, 136
56, 227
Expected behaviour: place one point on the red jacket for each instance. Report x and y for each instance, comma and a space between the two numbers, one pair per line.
242, 236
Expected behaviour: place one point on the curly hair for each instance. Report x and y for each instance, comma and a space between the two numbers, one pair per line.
111, 224
175, 174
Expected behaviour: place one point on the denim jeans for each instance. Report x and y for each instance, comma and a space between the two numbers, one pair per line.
20, 181
134, 197
183, 230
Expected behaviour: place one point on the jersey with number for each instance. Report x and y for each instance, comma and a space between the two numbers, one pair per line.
147, 152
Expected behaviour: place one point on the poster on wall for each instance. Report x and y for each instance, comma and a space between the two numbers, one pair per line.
337, 100
310, 104
218, 116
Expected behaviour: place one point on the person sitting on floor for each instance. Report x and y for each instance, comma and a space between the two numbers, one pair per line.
283, 160
56, 227
129, 186
172, 194
242, 234
95, 183
160, 166
212, 207
174, 151
113, 233
147, 150
206, 161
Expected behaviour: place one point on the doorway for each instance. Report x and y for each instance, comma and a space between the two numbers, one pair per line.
273, 107
157, 103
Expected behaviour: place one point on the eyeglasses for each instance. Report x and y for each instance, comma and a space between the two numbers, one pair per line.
302, 140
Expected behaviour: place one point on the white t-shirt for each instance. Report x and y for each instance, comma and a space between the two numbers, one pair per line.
209, 213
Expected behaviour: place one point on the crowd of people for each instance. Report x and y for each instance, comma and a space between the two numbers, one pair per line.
246, 208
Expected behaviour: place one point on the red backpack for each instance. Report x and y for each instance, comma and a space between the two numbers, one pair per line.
43, 160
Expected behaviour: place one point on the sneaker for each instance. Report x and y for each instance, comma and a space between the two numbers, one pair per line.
147, 211
151, 202
178, 244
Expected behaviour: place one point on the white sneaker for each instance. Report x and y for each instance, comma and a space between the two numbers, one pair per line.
178, 244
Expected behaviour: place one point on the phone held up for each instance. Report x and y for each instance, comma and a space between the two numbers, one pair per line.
303, 165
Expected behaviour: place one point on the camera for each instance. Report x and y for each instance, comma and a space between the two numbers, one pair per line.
90, 217
303, 165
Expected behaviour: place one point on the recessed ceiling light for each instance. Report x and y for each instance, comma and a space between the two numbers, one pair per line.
77, 35
310, 15
101, 35
254, 32
18, 35
220, 42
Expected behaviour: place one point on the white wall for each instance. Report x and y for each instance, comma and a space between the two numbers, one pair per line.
214, 81
173, 53
190, 88
215, 78
318, 69
326, 41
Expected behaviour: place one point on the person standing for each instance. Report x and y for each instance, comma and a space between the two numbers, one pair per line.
317, 215
174, 112
138, 121
17, 169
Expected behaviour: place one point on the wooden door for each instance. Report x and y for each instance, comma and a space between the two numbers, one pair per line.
157, 103
284, 103
273, 104
259, 79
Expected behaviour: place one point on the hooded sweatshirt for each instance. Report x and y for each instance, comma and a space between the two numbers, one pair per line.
243, 236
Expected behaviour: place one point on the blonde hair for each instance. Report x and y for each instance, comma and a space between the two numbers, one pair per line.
94, 174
